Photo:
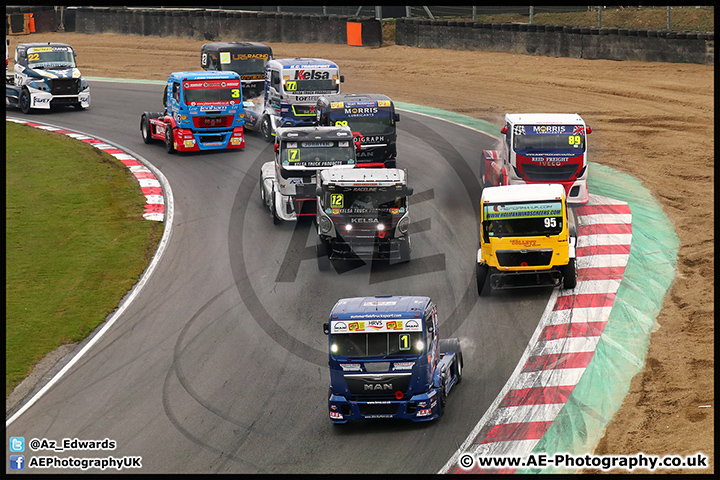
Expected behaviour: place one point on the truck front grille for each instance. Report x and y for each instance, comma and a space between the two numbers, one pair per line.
524, 258
65, 86
539, 173
213, 122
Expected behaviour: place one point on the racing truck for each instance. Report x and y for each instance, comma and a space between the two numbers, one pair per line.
292, 88
362, 213
528, 237
248, 59
44, 76
287, 184
541, 148
371, 114
203, 111
387, 360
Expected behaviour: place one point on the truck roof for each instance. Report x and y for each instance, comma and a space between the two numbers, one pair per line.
205, 74
42, 44
364, 176
354, 97
521, 193
544, 119
379, 307
245, 47
313, 133
304, 62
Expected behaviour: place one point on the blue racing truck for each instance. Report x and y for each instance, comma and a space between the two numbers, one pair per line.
292, 88
387, 359
203, 111
370, 114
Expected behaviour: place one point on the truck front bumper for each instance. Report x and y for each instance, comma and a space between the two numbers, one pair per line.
187, 140
419, 408
352, 248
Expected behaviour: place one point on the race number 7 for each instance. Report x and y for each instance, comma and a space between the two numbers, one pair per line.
293, 154
291, 85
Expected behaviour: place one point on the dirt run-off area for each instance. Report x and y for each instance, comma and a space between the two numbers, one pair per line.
653, 121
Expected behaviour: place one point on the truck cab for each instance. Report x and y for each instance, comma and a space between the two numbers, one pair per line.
247, 59
45, 75
372, 115
292, 88
203, 111
541, 148
362, 213
387, 360
287, 184
527, 238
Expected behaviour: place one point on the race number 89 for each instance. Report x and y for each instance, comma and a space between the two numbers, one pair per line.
575, 139
341, 123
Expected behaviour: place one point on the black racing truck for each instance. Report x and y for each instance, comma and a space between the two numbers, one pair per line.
362, 213
247, 59
387, 360
372, 115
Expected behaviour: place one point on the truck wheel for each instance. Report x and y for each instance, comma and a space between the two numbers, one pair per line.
24, 101
145, 129
481, 274
78, 106
443, 395
276, 220
405, 251
266, 129
323, 259
169, 146
569, 273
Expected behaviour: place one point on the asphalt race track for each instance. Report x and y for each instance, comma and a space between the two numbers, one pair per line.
220, 363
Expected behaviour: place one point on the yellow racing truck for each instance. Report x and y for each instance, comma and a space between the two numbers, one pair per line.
527, 238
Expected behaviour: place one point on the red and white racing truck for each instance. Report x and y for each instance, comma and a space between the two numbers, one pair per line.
541, 148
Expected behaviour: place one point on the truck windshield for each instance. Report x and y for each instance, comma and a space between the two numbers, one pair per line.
50, 56
244, 63
307, 86
376, 344
568, 143
318, 153
381, 124
216, 92
523, 219
364, 199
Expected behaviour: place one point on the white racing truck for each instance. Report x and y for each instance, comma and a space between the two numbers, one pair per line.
541, 148
292, 89
362, 213
44, 76
287, 184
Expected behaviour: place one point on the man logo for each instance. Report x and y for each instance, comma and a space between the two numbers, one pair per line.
378, 386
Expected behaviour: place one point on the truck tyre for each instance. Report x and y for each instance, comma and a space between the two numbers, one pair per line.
276, 220
323, 259
569, 273
266, 129
443, 394
145, 129
24, 100
78, 106
404, 248
481, 274
169, 146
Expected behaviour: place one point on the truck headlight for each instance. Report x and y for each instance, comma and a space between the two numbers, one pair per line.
403, 225
381, 227
325, 225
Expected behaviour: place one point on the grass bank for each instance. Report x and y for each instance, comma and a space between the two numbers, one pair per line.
76, 242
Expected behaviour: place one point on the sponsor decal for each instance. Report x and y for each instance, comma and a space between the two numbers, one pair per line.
383, 103
412, 325
351, 367
548, 129
364, 220
366, 111
394, 211
404, 366
336, 104
334, 211
374, 139
379, 304
376, 324
357, 326
339, 327
524, 243
312, 74
377, 386
247, 56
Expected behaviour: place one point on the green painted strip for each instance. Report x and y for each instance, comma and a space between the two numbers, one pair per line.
620, 353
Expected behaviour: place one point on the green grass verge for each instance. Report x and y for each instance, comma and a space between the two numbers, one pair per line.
76, 242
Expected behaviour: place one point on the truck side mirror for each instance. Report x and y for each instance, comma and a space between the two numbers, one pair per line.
485, 236
397, 117
326, 328
276, 147
409, 191
165, 96
588, 129
342, 78
318, 191
504, 129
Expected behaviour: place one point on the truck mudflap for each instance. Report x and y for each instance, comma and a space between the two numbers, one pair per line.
500, 280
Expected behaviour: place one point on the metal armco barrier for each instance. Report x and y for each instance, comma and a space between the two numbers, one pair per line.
558, 40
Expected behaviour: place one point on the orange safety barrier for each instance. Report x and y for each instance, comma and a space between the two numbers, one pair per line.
31, 22
354, 34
